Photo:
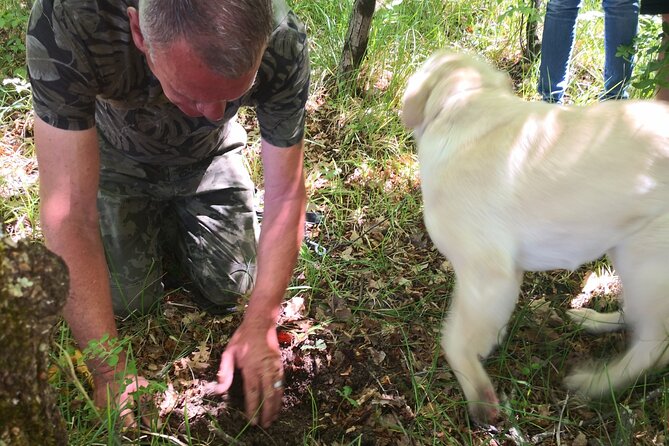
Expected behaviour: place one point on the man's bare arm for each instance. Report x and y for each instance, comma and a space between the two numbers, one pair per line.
282, 229
69, 174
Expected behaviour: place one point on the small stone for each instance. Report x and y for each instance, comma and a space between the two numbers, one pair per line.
580, 440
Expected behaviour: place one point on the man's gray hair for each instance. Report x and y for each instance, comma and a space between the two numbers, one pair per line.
229, 35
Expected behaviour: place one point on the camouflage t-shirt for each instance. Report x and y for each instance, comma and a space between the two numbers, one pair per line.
85, 71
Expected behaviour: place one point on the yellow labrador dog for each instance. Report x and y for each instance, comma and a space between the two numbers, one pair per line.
510, 186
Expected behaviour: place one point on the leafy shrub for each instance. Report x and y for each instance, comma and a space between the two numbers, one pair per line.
13, 22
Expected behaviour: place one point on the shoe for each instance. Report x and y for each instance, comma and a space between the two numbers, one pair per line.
210, 307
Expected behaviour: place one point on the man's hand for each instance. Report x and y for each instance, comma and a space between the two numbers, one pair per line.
127, 392
255, 351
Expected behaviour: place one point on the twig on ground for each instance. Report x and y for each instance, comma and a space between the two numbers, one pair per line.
170, 438
558, 431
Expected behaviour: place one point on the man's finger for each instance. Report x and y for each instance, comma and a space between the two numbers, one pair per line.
135, 385
252, 398
272, 395
126, 414
128, 418
226, 371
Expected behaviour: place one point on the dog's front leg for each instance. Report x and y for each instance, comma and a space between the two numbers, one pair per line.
485, 296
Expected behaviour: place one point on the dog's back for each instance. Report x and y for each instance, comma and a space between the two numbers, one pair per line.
539, 171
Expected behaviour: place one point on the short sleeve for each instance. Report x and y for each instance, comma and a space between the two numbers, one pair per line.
284, 85
63, 82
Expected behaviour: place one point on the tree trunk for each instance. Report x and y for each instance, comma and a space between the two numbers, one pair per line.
533, 42
33, 290
355, 45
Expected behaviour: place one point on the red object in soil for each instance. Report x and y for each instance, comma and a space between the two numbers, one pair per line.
285, 338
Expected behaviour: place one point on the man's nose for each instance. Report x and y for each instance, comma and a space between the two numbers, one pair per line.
213, 111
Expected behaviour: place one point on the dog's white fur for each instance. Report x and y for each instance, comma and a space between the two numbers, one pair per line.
510, 186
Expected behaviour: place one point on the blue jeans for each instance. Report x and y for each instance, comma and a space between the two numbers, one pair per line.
621, 18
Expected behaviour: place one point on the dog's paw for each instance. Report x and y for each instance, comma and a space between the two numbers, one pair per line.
589, 383
486, 411
594, 322
579, 382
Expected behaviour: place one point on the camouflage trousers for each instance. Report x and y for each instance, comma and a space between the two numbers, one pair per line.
200, 214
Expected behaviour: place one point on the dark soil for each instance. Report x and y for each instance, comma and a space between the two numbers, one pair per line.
342, 387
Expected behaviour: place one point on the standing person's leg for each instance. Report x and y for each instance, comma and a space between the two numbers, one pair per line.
621, 19
218, 230
130, 221
556, 47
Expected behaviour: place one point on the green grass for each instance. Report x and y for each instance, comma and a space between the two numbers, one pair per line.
362, 176
19, 203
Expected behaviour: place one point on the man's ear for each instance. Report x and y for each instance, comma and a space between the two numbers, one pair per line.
137, 36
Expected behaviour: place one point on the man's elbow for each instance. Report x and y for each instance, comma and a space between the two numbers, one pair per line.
59, 215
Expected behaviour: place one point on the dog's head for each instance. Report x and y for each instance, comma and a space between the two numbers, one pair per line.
442, 77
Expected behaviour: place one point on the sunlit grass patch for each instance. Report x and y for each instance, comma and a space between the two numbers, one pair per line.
18, 167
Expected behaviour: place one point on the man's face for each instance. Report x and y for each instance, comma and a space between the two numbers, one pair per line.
187, 82
190, 85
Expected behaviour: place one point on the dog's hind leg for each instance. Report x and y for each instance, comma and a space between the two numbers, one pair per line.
642, 262
645, 352
485, 295
595, 322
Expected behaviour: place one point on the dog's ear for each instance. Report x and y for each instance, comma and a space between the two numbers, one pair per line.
413, 102
451, 73
419, 88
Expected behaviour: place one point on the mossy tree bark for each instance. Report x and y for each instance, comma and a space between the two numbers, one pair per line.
33, 290
357, 37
